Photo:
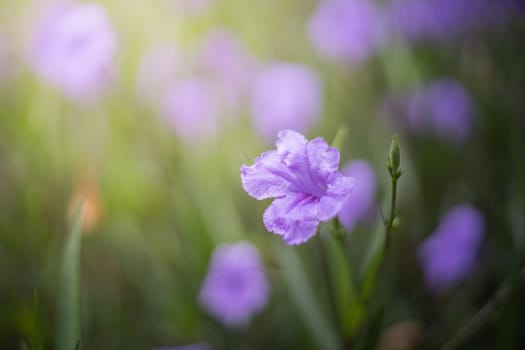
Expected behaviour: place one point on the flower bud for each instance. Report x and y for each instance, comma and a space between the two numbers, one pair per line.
394, 158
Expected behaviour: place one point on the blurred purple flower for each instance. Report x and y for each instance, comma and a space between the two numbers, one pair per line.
449, 254
236, 286
197, 346
192, 110
444, 109
303, 178
347, 30
156, 72
227, 62
444, 19
286, 96
73, 49
361, 202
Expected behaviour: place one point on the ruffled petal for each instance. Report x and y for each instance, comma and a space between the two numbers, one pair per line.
290, 143
295, 217
267, 178
338, 189
323, 160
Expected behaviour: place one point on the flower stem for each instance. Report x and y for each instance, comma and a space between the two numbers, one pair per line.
390, 223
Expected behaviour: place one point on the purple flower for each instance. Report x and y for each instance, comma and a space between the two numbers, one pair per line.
346, 31
303, 178
73, 49
361, 202
449, 254
286, 96
235, 287
444, 19
443, 109
192, 110
227, 62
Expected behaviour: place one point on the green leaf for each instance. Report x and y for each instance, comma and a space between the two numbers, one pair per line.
373, 261
349, 306
302, 293
69, 295
340, 137
38, 343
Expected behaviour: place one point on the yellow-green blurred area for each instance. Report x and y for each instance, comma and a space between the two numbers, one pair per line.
159, 196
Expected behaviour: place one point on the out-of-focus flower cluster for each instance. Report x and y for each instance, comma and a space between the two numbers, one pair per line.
449, 254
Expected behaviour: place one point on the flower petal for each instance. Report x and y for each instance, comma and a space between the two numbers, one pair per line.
267, 178
339, 187
323, 160
295, 217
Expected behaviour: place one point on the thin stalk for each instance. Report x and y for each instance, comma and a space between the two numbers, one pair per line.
390, 223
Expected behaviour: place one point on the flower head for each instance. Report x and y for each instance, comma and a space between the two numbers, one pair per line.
443, 109
230, 65
285, 96
192, 110
73, 49
235, 286
360, 202
346, 30
303, 178
449, 254
446, 19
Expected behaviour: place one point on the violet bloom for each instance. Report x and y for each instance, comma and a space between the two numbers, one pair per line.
346, 30
303, 178
443, 109
449, 254
445, 19
192, 110
286, 96
235, 287
73, 49
361, 202
228, 63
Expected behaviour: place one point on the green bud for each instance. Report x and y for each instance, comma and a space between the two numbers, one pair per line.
394, 158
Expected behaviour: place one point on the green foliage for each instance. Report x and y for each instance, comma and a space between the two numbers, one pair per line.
69, 296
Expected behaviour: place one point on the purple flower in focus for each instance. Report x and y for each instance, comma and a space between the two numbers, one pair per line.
73, 49
192, 110
361, 202
303, 178
286, 96
449, 254
235, 287
443, 109
346, 30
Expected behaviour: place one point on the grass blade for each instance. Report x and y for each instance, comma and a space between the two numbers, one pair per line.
69, 297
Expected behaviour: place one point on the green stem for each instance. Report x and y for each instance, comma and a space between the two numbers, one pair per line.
390, 223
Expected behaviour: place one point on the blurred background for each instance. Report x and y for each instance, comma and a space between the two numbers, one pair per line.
145, 111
